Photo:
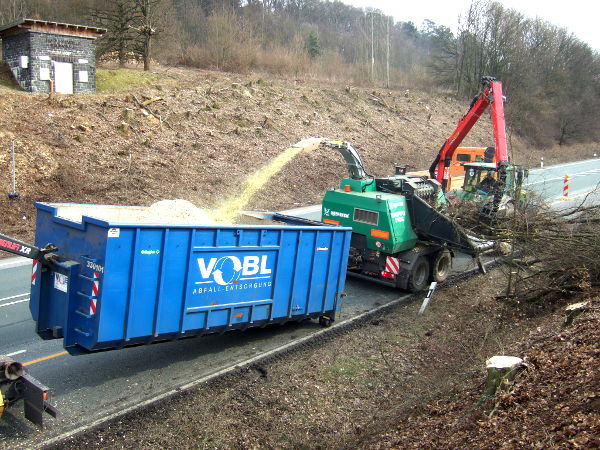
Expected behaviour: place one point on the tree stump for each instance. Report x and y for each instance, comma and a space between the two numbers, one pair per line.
574, 310
501, 371
128, 115
124, 128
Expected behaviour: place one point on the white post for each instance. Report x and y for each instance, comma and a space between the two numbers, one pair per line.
542, 162
428, 297
14, 176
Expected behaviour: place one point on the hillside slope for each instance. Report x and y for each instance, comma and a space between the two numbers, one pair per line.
202, 134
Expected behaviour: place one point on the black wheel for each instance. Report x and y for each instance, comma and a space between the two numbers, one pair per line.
325, 321
440, 266
419, 275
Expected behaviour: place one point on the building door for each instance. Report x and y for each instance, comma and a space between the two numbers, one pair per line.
63, 77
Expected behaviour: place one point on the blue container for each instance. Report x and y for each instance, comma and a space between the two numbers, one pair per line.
118, 282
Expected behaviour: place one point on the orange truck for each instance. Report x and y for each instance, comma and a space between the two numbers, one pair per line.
461, 156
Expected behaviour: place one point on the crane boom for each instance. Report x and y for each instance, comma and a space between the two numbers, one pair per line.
490, 94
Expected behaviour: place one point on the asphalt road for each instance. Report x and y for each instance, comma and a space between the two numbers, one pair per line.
583, 184
88, 387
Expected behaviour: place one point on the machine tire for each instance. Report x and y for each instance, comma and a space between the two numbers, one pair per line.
440, 266
325, 321
419, 275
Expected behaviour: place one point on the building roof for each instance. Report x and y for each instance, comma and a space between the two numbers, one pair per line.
44, 26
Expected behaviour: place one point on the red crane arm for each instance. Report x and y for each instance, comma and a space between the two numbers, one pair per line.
491, 93
497, 100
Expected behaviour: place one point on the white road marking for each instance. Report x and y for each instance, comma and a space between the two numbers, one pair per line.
18, 352
16, 261
14, 296
559, 178
14, 303
559, 166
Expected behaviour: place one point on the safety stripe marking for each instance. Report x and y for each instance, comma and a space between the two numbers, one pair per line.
392, 265
95, 284
95, 290
34, 271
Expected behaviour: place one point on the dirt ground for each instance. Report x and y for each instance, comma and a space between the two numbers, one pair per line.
200, 134
400, 381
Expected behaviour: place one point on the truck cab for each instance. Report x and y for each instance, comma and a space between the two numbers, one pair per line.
494, 189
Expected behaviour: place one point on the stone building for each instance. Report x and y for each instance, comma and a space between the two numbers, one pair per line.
50, 56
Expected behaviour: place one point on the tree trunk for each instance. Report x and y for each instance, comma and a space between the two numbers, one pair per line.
122, 56
147, 44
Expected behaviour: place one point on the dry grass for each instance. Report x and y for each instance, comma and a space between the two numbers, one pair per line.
7, 81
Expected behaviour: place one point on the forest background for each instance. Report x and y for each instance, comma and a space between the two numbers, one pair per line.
550, 77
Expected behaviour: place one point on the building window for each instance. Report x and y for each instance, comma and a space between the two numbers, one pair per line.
44, 73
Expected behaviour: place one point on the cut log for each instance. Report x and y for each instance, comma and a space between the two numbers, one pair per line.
151, 100
501, 371
574, 310
9, 369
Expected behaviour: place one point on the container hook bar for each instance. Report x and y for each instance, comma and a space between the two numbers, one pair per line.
20, 248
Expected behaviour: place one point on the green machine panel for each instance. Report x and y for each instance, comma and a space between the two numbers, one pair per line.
381, 217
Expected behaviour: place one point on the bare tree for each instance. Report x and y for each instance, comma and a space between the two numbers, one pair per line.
552, 253
11, 10
146, 23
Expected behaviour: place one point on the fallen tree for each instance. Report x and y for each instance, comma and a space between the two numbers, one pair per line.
548, 253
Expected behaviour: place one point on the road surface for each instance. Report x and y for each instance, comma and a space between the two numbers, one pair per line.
583, 186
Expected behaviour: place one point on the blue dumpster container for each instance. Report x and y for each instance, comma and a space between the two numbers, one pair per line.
116, 282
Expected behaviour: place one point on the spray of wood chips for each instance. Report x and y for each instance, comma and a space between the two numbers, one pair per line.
232, 206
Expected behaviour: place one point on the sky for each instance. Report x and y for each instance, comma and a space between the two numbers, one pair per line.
578, 16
